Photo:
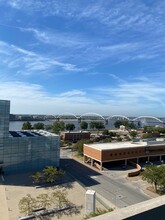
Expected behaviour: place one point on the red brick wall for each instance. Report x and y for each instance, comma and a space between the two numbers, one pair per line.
121, 154
91, 152
74, 136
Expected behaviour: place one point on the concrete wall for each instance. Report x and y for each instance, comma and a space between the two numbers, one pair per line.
153, 209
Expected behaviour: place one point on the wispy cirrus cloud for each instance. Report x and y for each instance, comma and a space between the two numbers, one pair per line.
73, 93
139, 98
29, 62
34, 99
117, 14
58, 39
145, 27
136, 92
117, 78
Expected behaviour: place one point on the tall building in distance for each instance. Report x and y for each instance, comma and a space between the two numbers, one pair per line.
22, 151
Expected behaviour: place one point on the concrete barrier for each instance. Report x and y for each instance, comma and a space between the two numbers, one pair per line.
137, 171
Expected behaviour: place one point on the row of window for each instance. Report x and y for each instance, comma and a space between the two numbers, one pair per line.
126, 153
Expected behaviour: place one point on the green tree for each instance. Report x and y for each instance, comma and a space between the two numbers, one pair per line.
97, 125
27, 204
48, 127
112, 134
38, 126
70, 127
58, 126
79, 146
118, 123
106, 132
26, 126
133, 134
84, 125
37, 177
148, 135
154, 175
127, 124
127, 138
92, 125
51, 174
119, 139
107, 140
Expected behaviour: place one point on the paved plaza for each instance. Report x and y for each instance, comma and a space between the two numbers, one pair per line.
17, 186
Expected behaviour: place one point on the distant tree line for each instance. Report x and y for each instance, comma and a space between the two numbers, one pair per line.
152, 132
127, 124
28, 126
59, 126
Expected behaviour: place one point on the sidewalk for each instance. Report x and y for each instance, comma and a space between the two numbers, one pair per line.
3, 207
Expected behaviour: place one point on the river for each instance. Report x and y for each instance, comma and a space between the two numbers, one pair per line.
109, 124
17, 125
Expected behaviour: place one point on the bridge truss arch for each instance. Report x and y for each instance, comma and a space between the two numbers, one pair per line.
67, 114
148, 121
148, 117
118, 117
92, 114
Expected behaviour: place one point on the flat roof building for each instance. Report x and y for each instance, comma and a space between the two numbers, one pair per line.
25, 150
75, 136
101, 153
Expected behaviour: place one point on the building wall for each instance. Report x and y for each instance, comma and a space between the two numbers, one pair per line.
30, 153
4, 118
119, 154
75, 136
125, 153
93, 153
19, 154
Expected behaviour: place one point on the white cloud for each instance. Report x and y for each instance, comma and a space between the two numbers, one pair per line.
73, 93
63, 39
32, 98
116, 77
126, 99
120, 47
29, 62
136, 93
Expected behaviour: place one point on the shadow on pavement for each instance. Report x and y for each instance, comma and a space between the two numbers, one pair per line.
74, 171
79, 172
24, 179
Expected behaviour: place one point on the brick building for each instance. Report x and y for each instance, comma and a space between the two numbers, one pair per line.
101, 153
75, 136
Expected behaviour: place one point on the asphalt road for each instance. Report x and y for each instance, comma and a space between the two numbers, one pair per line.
119, 193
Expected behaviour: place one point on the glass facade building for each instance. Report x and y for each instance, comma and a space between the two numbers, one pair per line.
25, 150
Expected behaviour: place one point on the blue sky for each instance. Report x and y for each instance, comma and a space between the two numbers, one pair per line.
103, 56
